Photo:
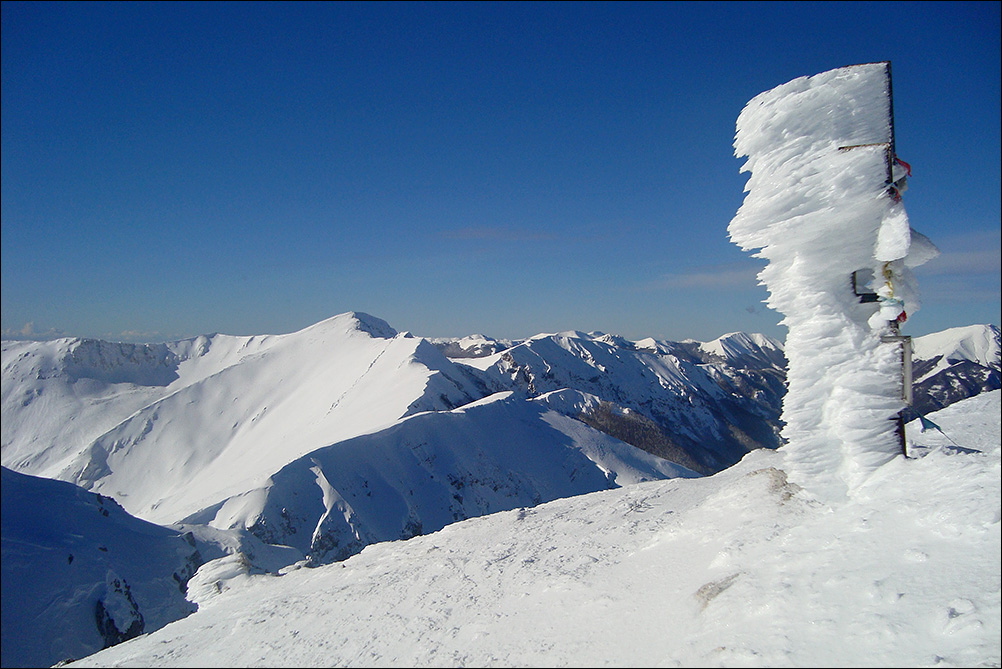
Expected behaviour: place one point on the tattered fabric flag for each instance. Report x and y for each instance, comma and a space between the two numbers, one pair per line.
929, 425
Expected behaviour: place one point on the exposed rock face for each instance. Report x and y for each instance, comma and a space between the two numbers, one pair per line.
117, 614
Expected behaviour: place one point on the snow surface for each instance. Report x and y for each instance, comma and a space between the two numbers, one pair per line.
447, 457
818, 208
744, 568
63, 551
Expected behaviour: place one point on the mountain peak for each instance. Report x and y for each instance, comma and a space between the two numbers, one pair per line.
977, 343
736, 345
357, 320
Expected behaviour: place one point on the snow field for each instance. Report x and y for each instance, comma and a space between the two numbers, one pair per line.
743, 568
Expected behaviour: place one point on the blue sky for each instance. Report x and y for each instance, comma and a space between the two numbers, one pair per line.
172, 170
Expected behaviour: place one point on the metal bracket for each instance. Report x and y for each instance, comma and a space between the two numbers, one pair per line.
906, 363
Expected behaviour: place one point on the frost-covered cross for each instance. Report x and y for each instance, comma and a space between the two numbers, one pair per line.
824, 208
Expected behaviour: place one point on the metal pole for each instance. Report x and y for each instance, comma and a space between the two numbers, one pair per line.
905, 343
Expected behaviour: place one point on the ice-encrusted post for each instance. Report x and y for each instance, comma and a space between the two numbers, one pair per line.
823, 207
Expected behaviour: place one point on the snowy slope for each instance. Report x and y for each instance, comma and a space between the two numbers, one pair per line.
739, 346
739, 569
68, 553
955, 364
974, 343
430, 470
79, 573
215, 416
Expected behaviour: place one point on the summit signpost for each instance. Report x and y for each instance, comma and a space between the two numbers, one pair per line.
824, 208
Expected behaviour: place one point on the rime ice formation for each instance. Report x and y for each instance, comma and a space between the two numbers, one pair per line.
823, 207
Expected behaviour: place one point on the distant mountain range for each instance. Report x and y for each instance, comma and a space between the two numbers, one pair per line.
953, 365
309, 446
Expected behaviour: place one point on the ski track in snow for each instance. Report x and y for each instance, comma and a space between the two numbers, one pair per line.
358, 380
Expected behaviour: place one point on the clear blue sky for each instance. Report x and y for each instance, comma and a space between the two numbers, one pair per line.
172, 170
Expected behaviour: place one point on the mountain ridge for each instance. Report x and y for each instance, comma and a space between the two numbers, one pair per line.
108, 397
305, 448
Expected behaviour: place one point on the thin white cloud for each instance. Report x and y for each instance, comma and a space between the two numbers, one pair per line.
28, 331
968, 269
719, 277
138, 337
978, 261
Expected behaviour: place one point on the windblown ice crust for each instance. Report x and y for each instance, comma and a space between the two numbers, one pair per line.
818, 208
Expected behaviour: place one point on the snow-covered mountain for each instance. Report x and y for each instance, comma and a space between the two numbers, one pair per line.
326, 440
432, 469
80, 574
168, 430
174, 430
705, 404
701, 405
265, 451
955, 364
741, 568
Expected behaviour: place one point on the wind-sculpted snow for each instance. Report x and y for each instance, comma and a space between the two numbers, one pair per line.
820, 206
739, 569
